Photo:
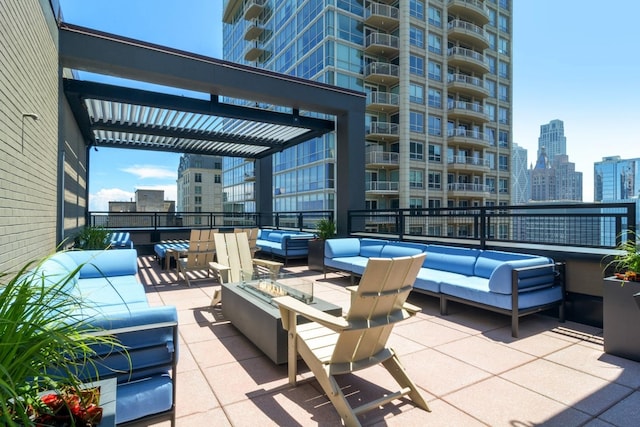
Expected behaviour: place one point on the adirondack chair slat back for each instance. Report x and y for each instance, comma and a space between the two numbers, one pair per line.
376, 307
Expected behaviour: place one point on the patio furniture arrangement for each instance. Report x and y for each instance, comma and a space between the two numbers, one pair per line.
161, 249
116, 303
235, 261
509, 283
284, 243
333, 346
201, 252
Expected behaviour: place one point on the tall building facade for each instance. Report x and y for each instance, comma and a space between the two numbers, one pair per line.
520, 186
438, 79
616, 179
552, 139
555, 180
199, 183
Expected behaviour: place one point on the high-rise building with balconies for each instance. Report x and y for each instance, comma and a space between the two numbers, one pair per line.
438, 79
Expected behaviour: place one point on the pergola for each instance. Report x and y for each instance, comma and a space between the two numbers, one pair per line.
241, 111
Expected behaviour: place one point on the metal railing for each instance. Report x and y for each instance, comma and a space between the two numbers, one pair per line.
588, 225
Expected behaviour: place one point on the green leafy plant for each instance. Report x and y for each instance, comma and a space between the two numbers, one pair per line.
45, 342
627, 263
92, 238
325, 229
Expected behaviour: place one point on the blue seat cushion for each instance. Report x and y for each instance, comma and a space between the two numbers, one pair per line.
147, 396
476, 289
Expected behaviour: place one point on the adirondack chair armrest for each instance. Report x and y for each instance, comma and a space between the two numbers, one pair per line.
218, 267
290, 306
273, 266
412, 309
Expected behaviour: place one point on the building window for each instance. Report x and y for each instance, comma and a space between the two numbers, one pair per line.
503, 92
503, 115
503, 162
503, 138
435, 98
435, 43
416, 65
490, 85
435, 71
416, 203
503, 23
435, 153
416, 122
435, 125
504, 4
435, 203
435, 17
435, 180
198, 189
197, 200
492, 17
416, 9
490, 136
416, 178
504, 185
416, 93
503, 69
416, 150
503, 46
492, 63
490, 109
198, 177
217, 178
416, 37
492, 40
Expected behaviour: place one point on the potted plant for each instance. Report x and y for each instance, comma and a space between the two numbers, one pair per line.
92, 238
619, 298
44, 344
325, 229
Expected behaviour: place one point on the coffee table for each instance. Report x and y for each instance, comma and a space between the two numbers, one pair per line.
258, 318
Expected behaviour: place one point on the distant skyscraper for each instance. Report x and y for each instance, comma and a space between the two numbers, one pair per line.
555, 180
438, 79
552, 139
200, 183
616, 179
519, 176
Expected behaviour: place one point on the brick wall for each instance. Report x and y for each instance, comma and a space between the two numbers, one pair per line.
29, 154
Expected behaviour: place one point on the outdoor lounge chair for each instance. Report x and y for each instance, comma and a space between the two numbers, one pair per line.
201, 252
235, 262
333, 346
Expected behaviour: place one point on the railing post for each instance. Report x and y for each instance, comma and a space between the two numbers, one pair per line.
300, 221
484, 220
400, 223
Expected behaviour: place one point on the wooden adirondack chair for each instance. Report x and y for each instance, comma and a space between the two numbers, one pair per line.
235, 261
201, 252
333, 346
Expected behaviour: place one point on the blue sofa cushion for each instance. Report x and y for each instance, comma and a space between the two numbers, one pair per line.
371, 247
500, 281
106, 263
452, 259
392, 251
143, 397
340, 248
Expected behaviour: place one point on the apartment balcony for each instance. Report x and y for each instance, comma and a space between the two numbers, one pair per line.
382, 159
380, 44
467, 85
467, 137
383, 131
475, 10
466, 111
468, 163
468, 59
253, 31
382, 187
253, 52
383, 102
382, 73
468, 33
458, 189
253, 8
382, 16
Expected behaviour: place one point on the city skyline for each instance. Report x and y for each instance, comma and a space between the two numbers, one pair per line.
556, 76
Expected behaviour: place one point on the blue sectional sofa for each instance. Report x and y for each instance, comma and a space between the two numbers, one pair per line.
115, 301
283, 243
509, 283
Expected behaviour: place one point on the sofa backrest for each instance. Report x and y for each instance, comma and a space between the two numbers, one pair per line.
371, 247
343, 247
452, 259
502, 264
58, 270
123, 262
488, 261
400, 249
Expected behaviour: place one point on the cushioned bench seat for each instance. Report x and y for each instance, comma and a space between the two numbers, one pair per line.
283, 243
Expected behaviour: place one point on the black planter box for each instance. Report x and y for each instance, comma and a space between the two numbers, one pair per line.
621, 318
315, 259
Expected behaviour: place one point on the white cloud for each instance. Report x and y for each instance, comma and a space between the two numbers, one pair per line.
100, 201
150, 171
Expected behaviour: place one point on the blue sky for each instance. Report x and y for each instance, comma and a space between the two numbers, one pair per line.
573, 61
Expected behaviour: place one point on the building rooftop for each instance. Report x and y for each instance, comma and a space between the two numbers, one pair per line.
470, 369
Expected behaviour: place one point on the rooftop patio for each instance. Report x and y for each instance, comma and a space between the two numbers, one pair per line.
471, 371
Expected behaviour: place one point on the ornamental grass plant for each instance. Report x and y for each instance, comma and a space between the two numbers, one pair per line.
44, 341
